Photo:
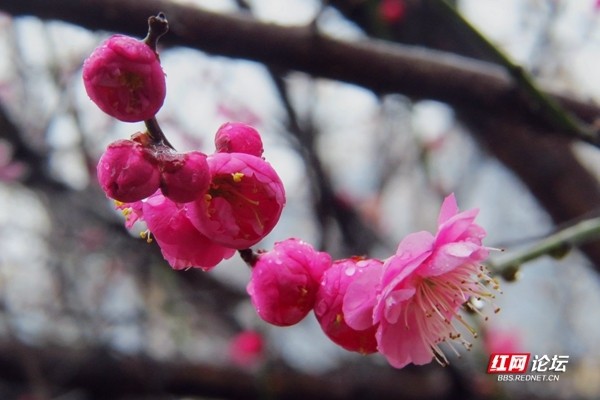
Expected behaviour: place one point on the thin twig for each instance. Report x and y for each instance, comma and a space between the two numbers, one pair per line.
556, 245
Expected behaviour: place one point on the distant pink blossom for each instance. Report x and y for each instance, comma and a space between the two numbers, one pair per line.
244, 201
128, 171
329, 301
285, 281
184, 177
422, 288
10, 170
124, 78
246, 349
235, 137
181, 244
502, 341
392, 11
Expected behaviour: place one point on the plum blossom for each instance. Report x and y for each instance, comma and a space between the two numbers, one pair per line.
127, 171
124, 78
181, 244
131, 170
235, 137
328, 305
285, 281
420, 291
244, 201
184, 177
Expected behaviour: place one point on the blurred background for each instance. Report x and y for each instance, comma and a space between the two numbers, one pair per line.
88, 310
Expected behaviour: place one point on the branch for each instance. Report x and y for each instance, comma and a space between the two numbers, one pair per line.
555, 245
380, 66
104, 374
547, 105
545, 164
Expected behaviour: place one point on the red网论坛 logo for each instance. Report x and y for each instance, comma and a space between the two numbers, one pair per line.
512, 363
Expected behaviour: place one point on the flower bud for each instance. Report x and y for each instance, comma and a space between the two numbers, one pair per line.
285, 281
128, 172
329, 303
184, 177
244, 201
235, 137
124, 78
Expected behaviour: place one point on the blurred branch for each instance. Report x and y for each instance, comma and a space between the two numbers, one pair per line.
545, 164
555, 245
545, 104
137, 376
37, 163
380, 66
358, 237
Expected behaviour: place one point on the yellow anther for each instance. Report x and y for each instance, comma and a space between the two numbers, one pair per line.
237, 177
146, 235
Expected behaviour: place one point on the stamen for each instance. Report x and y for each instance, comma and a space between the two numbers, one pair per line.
146, 235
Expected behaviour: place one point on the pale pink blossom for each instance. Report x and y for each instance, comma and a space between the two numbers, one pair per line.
128, 171
418, 296
244, 201
329, 301
181, 244
235, 137
285, 281
124, 78
184, 177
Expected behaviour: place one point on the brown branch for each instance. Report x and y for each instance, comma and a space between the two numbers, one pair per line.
377, 65
104, 374
547, 165
466, 84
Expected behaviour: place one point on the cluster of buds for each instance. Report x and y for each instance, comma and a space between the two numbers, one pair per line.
201, 209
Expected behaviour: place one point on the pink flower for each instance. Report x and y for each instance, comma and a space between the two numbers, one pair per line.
234, 137
246, 349
328, 305
181, 244
128, 171
285, 281
184, 176
422, 289
124, 78
243, 203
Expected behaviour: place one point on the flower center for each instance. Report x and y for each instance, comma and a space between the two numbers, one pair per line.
439, 300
